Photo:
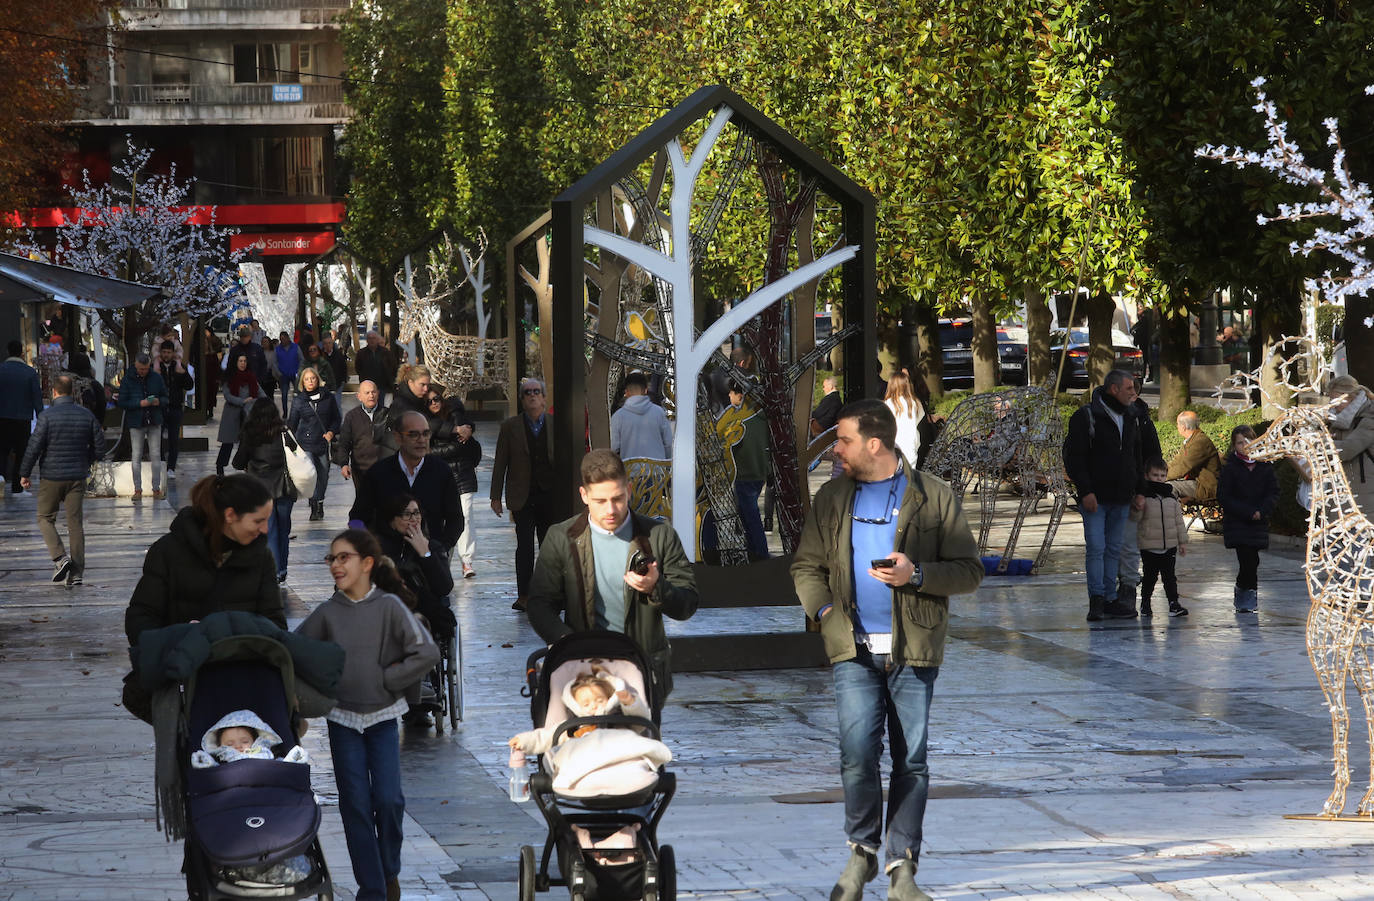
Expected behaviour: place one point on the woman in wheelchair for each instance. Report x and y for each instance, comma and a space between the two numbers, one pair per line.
424, 566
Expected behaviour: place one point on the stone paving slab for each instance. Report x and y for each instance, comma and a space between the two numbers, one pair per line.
1136, 760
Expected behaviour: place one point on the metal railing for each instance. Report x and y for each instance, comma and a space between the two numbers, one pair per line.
225, 94
235, 4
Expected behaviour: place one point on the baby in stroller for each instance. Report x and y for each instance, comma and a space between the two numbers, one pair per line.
242, 735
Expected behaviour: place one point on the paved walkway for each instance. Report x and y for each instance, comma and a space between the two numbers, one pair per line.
1136, 760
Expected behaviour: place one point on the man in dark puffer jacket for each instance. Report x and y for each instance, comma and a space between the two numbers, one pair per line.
67, 441
1102, 457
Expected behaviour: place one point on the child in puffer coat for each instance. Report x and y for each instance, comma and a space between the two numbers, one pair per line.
1162, 535
241, 735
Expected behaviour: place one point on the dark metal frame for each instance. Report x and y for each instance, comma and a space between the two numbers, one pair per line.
566, 261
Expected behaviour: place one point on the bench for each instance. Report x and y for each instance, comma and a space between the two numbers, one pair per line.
1206, 512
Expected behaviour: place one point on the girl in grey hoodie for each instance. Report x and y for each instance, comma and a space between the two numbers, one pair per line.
387, 651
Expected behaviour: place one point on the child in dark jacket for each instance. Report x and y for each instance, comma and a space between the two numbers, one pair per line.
1248, 492
1162, 535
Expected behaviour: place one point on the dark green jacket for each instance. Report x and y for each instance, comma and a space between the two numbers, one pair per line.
931, 530
181, 583
562, 596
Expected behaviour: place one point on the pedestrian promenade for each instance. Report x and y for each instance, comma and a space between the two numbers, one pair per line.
1150, 759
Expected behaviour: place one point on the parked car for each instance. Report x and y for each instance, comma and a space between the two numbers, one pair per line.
1013, 350
956, 349
1128, 356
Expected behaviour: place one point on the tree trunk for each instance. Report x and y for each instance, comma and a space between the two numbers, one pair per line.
1037, 336
1277, 318
1101, 356
1175, 361
930, 363
985, 373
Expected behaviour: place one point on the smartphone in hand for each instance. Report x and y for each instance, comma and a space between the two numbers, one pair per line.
884, 563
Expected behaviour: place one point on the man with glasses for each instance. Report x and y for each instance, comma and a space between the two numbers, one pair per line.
414, 470
523, 466
881, 552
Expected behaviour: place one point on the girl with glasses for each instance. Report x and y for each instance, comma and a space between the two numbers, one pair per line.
387, 651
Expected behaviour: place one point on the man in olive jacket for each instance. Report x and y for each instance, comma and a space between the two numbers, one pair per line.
884, 629
1195, 469
583, 579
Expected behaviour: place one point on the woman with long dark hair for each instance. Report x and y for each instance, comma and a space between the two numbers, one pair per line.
422, 561
315, 420
386, 651
213, 557
240, 390
262, 453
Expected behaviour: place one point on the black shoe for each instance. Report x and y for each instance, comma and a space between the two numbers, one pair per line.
1145, 608
519, 604
60, 568
1117, 609
281, 578
1177, 609
1095, 605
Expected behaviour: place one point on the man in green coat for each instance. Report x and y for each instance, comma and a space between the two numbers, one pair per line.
1195, 468
584, 579
883, 549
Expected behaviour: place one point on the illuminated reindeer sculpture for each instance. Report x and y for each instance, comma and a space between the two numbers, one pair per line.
1340, 583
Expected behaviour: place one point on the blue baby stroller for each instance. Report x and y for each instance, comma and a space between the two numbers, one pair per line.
251, 825
605, 830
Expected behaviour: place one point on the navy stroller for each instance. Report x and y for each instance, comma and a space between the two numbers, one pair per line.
251, 825
583, 823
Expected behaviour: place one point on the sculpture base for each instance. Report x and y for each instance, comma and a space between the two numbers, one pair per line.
1334, 819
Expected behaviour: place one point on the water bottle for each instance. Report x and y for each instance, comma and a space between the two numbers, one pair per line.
519, 776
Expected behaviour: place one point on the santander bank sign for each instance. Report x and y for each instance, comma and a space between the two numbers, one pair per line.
284, 243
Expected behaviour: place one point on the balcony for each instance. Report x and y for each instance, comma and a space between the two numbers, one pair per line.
230, 14
225, 104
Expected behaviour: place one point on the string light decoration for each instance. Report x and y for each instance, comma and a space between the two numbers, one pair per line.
1010, 437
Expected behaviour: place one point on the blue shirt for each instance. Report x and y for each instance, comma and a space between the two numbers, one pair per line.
610, 555
536, 425
878, 500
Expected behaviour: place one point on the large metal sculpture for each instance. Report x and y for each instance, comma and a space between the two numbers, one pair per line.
1340, 584
628, 244
1012, 437
461, 363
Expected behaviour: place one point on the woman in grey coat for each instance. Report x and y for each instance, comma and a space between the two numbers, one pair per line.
240, 390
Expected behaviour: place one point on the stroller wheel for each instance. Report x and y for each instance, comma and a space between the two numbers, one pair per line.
667, 874
527, 873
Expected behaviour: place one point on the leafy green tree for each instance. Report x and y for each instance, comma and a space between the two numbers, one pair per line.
399, 191
1179, 75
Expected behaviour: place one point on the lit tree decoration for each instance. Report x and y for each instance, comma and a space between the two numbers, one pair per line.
1341, 197
144, 229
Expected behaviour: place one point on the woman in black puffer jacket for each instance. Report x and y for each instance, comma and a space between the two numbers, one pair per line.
315, 420
453, 441
1248, 491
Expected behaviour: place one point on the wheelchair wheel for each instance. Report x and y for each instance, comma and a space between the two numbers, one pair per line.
453, 654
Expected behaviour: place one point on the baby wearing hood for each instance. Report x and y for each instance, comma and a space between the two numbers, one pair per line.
241, 735
597, 693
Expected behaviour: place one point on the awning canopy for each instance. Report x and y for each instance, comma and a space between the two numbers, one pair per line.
23, 280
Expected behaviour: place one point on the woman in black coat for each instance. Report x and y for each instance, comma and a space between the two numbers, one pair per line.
315, 420
214, 557
1248, 492
262, 452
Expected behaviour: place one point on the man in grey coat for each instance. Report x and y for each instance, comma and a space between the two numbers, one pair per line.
65, 444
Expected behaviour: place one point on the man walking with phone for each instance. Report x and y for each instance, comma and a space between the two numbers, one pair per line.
610, 568
881, 552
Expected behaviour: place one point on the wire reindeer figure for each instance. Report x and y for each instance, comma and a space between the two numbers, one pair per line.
1339, 560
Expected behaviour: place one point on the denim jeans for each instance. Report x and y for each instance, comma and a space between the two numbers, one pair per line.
151, 435
1102, 530
867, 695
367, 771
279, 532
755, 539
1128, 561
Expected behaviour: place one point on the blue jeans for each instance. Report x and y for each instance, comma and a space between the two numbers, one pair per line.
279, 532
747, 497
1102, 532
867, 695
367, 771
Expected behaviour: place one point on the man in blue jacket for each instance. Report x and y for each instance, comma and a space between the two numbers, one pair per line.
65, 444
142, 396
20, 401
289, 363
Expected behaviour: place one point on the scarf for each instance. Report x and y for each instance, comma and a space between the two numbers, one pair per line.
1157, 489
1346, 418
315, 398
246, 377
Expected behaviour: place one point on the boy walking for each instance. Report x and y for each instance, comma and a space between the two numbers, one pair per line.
1162, 535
